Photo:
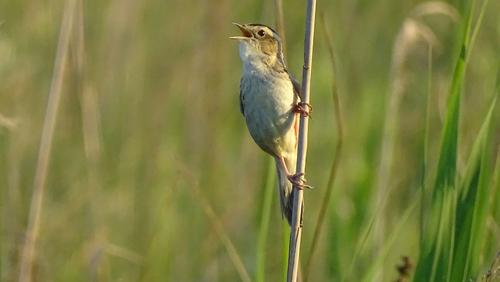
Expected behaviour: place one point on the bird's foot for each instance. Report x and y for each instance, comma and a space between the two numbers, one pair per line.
305, 109
298, 181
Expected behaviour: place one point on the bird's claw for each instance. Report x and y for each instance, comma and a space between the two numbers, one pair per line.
305, 109
298, 181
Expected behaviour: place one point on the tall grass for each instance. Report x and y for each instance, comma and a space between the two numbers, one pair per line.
302, 139
455, 225
36, 208
149, 112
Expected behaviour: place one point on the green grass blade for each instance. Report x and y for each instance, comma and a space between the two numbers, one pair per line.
264, 221
473, 204
447, 160
475, 191
436, 251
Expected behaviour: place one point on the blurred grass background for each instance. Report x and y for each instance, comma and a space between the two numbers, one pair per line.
149, 129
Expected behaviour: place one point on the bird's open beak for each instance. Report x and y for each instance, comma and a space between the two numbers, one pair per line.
246, 34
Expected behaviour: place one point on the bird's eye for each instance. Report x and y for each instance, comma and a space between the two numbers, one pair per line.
261, 33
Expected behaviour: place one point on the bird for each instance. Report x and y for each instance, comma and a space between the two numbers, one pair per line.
271, 104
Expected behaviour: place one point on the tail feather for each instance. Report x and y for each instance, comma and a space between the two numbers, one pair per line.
285, 189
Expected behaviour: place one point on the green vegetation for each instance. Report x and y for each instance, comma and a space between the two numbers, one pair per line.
153, 176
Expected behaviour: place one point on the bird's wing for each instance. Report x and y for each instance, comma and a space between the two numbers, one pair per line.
242, 108
296, 86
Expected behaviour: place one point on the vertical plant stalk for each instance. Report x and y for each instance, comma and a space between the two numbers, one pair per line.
298, 195
280, 22
264, 221
398, 87
336, 159
425, 163
437, 248
28, 251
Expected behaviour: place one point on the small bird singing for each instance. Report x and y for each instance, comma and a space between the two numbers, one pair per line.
271, 104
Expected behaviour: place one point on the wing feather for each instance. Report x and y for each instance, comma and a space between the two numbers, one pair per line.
242, 107
296, 86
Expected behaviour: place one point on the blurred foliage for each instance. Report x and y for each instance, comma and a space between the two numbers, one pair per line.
154, 113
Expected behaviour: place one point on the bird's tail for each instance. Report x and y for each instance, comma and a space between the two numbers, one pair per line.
285, 188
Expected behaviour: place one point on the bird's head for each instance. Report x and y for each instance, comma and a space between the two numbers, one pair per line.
259, 45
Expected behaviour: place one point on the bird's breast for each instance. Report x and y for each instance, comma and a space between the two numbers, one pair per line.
268, 101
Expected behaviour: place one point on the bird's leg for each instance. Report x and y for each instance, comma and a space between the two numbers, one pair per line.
296, 179
305, 109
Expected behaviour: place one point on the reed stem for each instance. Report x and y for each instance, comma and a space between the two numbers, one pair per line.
29, 246
298, 197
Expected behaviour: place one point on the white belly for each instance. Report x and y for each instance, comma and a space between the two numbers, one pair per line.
268, 104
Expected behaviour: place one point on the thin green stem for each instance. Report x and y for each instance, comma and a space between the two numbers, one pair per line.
264, 221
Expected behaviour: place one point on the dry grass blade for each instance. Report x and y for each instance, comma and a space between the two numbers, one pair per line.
280, 23
412, 32
219, 229
28, 251
336, 159
434, 8
298, 197
8, 123
124, 253
493, 273
90, 116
